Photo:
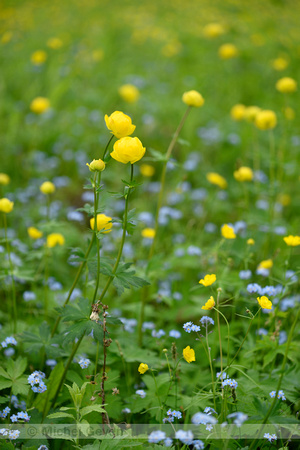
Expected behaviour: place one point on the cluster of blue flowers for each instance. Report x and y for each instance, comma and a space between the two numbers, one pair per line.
158, 334
205, 321
11, 434
222, 375
189, 326
280, 395
16, 404
269, 291
172, 415
156, 436
21, 415
84, 363
238, 418
270, 437
9, 340
141, 393
4, 413
175, 334
230, 382
36, 378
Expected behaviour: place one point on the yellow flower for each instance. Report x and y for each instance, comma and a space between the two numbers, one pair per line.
193, 98
98, 55
228, 232
286, 85
34, 233
6, 37
284, 199
228, 51
266, 264
39, 57
54, 43
119, 124
280, 63
6, 206
147, 170
143, 368
208, 280
251, 112
128, 149
264, 302
250, 241
97, 165
209, 304
292, 241
148, 233
289, 113
129, 93
189, 354
55, 239
47, 188
218, 180
4, 179
39, 105
213, 30
243, 174
237, 112
104, 223
266, 120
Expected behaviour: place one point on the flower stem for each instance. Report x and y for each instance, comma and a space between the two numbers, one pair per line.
211, 368
14, 316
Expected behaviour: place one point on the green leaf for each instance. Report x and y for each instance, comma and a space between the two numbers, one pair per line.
16, 368
88, 409
60, 415
157, 156
5, 383
20, 386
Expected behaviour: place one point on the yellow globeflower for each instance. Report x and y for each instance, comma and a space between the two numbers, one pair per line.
47, 188
292, 241
228, 232
39, 105
97, 165
265, 264
251, 112
54, 43
264, 302
119, 124
286, 85
4, 179
143, 368
280, 63
209, 304
228, 51
55, 239
213, 30
39, 57
6, 206
148, 233
266, 120
129, 93
104, 223
237, 112
218, 180
189, 354
34, 233
208, 280
250, 241
147, 170
128, 149
193, 98
243, 174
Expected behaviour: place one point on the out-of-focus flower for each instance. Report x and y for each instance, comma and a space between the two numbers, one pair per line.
209, 304
218, 180
143, 368
280, 63
228, 51
286, 85
193, 98
147, 170
104, 223
266, 119
264, 302
237, 112
292, 241
243, 174
54, 43
84, 363
55, 239
47, 187
129, 93
289, 113
250, 241
251, 112
97, 165
4, 179
266, 264
6, 206
189, 354
38, 57
39, 105
208, 280
141, 393
34, 233
227, 231
148, 233
213, 30
119, 124
128, 149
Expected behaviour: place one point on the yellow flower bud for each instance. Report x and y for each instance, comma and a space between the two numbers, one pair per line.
193, 98
55, 239
213, 30
148, 233
286, 85
104, 223
237, 112
4, 179
147, 170
119, 124
280, 63
39, 57
34, 233
250, 241
97, 165
128, 149
251, 112
47, 188
228, 232
228, 51
292, 241
209, 304
40, 105
218, 180
129, 93
243, 174
54, 43
189, 354
264, 302
143, 368
266, 120
208, 280
6, 206
265, 264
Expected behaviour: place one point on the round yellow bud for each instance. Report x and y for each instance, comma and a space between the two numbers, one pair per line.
4, 179
237, 112
47, 188
147, 170
128, 149
148, 233
54, 43
228, 51
266, 120
6, 206
39, 57
40, 105
55, 239
129, 93
243, 174
213, 30
104, 223
34, 233
280, 63
251, 112
218, 180
119, 124
286, 85
250, 241
193, 98
97, 165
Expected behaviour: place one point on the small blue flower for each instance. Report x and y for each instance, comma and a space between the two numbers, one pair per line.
245, 274
186, 437
280, 395
197, 444
156, 436
188, 327
253, 288
168, 442
271, 437
84, 363
239, 418
141, 393
158, 334
205, 320
175, 334
230, 382
13, 434
208, 410
14, 418
126, 411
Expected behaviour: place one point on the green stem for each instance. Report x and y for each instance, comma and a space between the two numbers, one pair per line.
228, 333
211, 368
96, 199
12, 277
156, 392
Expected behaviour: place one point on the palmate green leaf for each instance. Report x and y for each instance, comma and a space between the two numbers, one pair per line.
20, 386
16, 368
42, 340
77, 311
92, 408
125, 279
5, 383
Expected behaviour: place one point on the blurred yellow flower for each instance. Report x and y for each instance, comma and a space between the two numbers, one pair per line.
47, 188
280, 63
237, 112
55, 239
286, 85
208, 280
34, 233
266, 264
40, 105
129, 93
228, 51
39, 57
284, 199
228, 232
143, 368
6, 206
193, 98
243, 174
104, 223
6, 37
251, 112
264, 302
250, 241
289, 113
147, 170
292, 241
148, 233
266, 120
213, 30
171, 49
218, 180
119, 124
98, 55
189, 354
209, 304
54, 43
128, 149
4, 179
97, 165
